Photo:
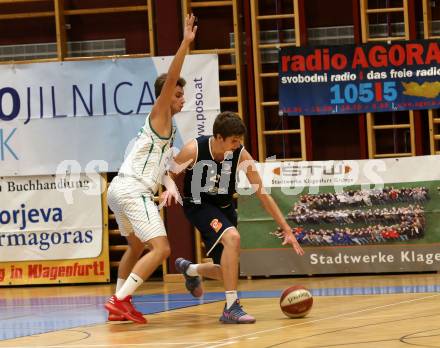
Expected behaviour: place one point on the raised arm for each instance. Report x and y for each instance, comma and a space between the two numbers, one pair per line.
161, 113
248, 165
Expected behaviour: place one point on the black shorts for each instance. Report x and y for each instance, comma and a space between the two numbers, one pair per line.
211, 221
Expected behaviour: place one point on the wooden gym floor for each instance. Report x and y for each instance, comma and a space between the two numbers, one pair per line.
358, 311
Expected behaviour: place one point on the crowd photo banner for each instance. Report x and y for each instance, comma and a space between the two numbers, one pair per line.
351, 79
90, 111
51, 230
367, 216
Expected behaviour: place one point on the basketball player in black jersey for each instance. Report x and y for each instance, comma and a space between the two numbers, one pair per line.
210, 164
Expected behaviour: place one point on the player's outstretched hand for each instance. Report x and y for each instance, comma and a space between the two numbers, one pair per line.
190, 30
167, 197
289, 238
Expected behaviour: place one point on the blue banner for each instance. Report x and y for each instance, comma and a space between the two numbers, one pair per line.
357, 79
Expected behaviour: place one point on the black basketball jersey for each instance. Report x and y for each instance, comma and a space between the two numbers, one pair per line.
209, 180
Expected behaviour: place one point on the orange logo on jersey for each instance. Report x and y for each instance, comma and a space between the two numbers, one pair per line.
216, 225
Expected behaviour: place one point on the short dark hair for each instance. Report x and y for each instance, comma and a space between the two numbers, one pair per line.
158, 84
228, 124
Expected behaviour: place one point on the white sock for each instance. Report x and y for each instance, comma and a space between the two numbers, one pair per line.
131, 284
119, 284
192, 270
231, 297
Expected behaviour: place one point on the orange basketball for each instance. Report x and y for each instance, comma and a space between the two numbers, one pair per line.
296, 301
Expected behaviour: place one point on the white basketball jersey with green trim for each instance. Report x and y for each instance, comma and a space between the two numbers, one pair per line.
148, 158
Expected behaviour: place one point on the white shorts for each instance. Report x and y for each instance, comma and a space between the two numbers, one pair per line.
134, 209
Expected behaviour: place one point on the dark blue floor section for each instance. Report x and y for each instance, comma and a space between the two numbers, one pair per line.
20, 318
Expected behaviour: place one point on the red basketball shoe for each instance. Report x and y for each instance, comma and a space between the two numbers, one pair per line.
117, 317
123, 308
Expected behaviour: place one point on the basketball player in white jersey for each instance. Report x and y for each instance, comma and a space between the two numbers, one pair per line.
131, 192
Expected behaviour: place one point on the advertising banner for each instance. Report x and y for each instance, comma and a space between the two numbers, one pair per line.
51, 230
89, 111
358, 79
366, 216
